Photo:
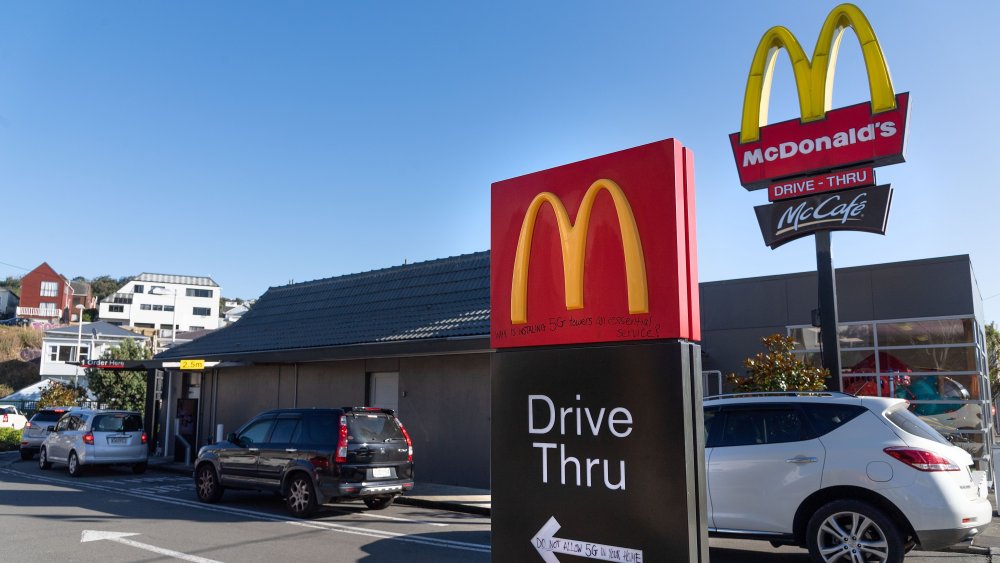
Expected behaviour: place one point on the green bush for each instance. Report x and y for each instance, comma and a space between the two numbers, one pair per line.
10, 439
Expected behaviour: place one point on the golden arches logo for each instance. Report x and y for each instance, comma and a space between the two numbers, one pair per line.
573, 238
814, 79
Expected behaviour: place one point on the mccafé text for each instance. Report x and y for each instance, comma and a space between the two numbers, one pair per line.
830, 210
582, 421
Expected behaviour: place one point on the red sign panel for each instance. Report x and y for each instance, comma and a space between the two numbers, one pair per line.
829, 182
602, 250
847, 136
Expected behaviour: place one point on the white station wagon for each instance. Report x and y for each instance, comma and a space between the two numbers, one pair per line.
850, 478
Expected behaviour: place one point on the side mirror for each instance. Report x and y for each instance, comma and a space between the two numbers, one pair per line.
50, 429
231, 438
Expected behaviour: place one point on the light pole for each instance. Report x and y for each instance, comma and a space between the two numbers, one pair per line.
79, 340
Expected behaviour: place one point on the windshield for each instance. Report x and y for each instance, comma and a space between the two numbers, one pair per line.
373, 428
911, 424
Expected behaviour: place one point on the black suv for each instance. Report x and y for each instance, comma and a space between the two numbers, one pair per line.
311, 457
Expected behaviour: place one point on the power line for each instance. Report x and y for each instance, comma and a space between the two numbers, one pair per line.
18, 267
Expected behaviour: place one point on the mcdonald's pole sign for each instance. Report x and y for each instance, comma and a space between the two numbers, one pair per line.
602, 250
824, 139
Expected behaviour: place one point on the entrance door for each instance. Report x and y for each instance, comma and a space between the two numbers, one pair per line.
384, 390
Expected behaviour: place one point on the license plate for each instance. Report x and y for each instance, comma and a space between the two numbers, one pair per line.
121, 440
381, 472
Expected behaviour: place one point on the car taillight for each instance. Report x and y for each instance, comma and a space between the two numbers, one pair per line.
922, 460
27, 424
320, 462
341, 456
144, 438
409, 443
88, 438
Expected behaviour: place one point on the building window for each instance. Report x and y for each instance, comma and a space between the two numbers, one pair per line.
139, 289
116, 308
145, 325
197, 328
67, 353
191, 292
168, 308
49, 289
145, 307
201, 311
157, 307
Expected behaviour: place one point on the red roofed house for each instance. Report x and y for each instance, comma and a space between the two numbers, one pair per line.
45, 295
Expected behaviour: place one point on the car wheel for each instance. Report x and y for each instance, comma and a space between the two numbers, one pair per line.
26, 455
378, 503
73, 464
206, 484
43, 459
139, 468
301, 498
850, 531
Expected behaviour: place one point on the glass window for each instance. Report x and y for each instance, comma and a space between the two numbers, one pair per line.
909, 423
806, 338
962, 358
372, 427
139, 289
144, 325
711, 438
116, 308
66, 353
47, 306
763, 426
855, 336
826, 418
145, 307
284, 428
168, 307
49, 289
84, 352
201, 311
191, 292
53, 353
256, 432
319, 429
157, 307
118, 422
922, 333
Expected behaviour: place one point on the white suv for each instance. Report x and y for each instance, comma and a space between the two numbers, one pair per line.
850, 478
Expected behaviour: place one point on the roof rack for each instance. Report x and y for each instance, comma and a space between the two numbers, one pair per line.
780, 394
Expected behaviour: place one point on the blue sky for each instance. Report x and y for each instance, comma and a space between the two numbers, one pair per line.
262, 142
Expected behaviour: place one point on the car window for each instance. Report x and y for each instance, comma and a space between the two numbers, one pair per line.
46, 416
827, 417
318, 430
117, 422
910, 423
372, 427
283, 431
63, 423
256, 432
8, 410
763, 426
712, 437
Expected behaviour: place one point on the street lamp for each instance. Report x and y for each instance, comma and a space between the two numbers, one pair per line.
79, 339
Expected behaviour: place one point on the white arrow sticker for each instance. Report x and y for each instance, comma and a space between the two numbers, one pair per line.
547, 546
119, 537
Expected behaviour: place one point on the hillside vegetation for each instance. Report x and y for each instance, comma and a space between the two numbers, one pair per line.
19, 345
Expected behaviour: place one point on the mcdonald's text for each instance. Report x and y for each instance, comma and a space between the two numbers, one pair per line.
849, 136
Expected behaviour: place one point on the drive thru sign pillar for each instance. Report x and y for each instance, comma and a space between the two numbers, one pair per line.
597, 427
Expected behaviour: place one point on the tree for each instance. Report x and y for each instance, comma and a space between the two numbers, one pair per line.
103, 286
124, 390
993, 356
5, 390
62, 394
778, 370
12, 283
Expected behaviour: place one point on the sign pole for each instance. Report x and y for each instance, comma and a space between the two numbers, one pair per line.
827, 278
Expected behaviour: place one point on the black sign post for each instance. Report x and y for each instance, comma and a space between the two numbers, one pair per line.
828, 316
598, 453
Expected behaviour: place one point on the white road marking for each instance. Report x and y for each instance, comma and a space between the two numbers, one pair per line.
252, 514
119, 537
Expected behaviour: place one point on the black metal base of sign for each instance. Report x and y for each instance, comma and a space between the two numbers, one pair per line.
598, 453
828, 317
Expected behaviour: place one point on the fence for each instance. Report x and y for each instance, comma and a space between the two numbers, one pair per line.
28, 408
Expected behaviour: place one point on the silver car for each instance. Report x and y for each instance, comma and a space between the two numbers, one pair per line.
96, 437
36, 429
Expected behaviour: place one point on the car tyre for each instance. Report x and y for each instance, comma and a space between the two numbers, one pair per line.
852, 530
301, 497
139, 468
43, 459
73, 464
379, 503
206, 484
26, 455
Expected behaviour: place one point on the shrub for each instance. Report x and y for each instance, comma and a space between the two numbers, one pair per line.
10, 439
778, 370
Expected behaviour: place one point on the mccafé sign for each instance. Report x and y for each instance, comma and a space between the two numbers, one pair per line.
863, 209
601, 250
824, 139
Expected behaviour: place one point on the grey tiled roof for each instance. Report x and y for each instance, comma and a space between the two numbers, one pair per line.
103, 328
170, 278
442, 298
